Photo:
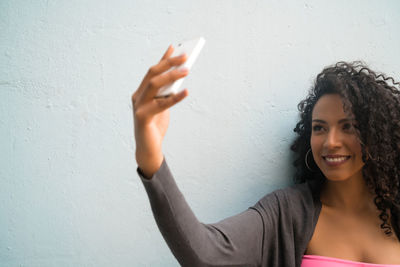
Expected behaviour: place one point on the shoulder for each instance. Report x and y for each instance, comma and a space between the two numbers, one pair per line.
288, 195
296, 200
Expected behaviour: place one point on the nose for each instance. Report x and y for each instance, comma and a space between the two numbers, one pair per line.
333, 139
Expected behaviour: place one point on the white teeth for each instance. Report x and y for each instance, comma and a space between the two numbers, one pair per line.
335, 159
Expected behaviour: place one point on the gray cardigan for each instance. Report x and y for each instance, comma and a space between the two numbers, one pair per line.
274, 232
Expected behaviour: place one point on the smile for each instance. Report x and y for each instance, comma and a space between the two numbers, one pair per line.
335, 160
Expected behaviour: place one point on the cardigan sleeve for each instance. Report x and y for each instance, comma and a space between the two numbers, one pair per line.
235, 241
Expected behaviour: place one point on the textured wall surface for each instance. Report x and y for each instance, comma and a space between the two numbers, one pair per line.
69, 192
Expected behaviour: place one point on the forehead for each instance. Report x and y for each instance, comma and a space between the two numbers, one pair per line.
329, 106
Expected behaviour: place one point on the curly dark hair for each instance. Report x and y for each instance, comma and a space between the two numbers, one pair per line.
374, 99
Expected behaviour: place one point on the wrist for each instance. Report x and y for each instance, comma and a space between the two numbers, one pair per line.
149, 164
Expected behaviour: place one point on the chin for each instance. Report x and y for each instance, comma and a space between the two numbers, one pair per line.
337, 177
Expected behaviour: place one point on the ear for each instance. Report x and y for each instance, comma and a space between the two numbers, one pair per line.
368, 155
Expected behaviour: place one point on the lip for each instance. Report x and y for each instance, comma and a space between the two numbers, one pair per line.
335, 163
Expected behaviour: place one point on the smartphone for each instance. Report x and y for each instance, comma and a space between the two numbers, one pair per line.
192, 49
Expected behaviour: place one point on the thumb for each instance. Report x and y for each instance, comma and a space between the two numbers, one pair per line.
165, 103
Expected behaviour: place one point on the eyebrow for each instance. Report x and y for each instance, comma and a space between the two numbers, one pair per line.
340, 121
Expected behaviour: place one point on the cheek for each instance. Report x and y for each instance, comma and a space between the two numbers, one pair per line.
355, 146
356, 149
315, 143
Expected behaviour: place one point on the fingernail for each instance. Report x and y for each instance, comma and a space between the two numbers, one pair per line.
182, 56
183, 69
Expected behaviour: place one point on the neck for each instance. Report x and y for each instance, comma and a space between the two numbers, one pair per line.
351, 195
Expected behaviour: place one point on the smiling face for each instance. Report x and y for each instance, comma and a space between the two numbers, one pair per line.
335, 146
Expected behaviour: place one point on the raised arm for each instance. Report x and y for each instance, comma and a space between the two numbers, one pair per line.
235, 241
151, 115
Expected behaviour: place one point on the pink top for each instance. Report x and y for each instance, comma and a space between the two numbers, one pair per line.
318, 261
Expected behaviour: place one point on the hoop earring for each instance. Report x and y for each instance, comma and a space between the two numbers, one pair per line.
306, 161
369, 156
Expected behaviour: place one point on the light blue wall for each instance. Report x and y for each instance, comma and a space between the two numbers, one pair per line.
69, 193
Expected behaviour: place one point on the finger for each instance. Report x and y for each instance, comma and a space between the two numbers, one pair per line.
168, 53
160, 68
164, 79
157, 69
161, 104
166, 64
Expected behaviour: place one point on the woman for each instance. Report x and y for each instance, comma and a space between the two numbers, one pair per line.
344, 209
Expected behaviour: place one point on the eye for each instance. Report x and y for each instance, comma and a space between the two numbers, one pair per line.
317, 128
347, 126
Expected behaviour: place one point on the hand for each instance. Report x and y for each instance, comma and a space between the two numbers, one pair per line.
151, 115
